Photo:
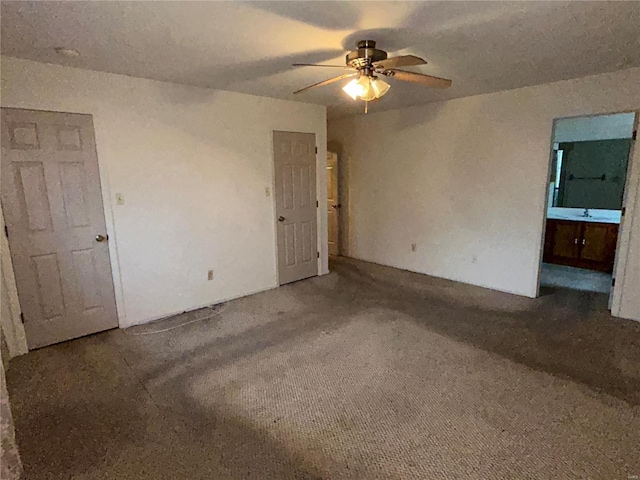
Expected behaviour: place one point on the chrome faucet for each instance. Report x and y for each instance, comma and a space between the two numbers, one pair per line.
586, 213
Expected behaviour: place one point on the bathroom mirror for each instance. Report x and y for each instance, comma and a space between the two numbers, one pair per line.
589, 162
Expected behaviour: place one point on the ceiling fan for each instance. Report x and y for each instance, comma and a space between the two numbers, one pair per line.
369, 62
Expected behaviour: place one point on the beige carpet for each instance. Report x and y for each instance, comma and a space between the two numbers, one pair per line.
367, 373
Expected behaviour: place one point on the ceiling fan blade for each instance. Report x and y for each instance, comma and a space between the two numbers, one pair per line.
402, 61
426, 80
325, 82
321, 65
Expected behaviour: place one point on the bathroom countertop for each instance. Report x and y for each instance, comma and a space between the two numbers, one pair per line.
577, 215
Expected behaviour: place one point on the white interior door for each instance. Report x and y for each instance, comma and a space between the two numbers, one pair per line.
296, 205
333, 204
55, 222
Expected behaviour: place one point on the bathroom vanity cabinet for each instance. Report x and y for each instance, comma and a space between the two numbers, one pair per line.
581, 244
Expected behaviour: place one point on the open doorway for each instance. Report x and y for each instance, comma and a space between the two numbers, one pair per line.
590, 159
333, 204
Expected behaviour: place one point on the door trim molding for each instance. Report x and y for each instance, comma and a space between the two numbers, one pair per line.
631, 207
12, 327
336, 161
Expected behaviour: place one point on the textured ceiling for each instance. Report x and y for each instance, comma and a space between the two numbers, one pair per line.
249, 46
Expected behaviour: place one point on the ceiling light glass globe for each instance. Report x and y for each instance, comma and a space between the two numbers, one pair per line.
367, 92
379, 87
353, 89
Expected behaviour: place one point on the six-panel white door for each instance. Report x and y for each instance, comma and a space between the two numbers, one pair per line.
53, 209
296, 205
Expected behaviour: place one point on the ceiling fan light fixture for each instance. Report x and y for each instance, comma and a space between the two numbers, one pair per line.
354, 89
366, 88
368, 62
367, 92
379, 87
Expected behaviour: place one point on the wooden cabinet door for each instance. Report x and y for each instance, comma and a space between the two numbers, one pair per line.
566, 236
599, 245
594, 242
581, 244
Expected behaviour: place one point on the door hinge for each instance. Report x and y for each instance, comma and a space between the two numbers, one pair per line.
613, 282
633, 137
316, 149
6, 231
22, 317
318, 254
317, 204
624, 209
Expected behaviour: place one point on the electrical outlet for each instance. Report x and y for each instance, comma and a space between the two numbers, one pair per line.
210, 275
413, 247
119, 199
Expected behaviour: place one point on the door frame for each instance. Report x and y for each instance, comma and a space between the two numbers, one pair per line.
629, 204
338, 199
12, 327
14, 324
321, 195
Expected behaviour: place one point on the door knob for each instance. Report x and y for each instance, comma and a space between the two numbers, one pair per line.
339, 205
102, 238
281, 219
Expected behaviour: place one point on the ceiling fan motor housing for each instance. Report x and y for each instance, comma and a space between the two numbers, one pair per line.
365, 55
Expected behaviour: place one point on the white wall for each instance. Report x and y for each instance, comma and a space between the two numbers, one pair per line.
602, 127
192, 165
466, 180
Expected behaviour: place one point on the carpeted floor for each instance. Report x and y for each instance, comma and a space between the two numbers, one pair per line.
366, 373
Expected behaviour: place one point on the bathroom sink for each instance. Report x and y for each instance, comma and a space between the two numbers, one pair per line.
579, 218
